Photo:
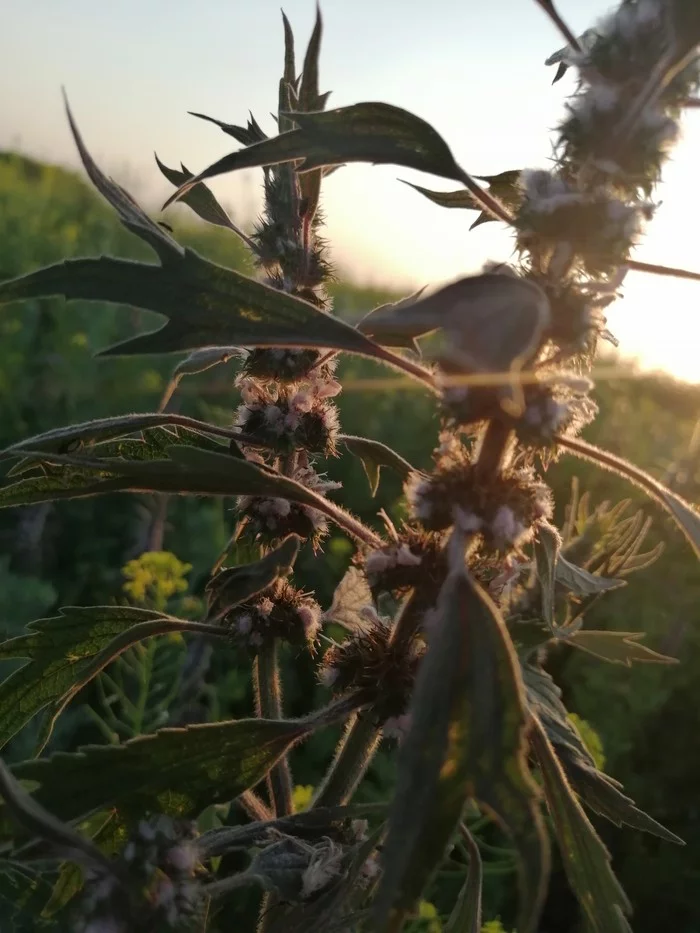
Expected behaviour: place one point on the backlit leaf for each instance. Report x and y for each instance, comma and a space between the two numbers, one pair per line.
617, 647
65, 652
351, 597
206, 305
683, 513
467, 740
178, 772
131, 215
199, 198
235, 585
374, 455
580, 582
586, 860
603, 794
369, 132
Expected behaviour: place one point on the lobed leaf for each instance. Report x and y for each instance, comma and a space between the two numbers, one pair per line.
65, 652
178, 772
580, 582
684, 515
597, 790
369, 132
617, 647
199, 198
130, 214
466, 741
586, 860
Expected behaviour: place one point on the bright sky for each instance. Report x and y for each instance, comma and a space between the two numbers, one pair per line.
133, 69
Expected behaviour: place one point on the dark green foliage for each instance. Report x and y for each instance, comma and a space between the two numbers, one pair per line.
452, 628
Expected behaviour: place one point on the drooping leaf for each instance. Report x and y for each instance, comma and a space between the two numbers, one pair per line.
547, 547
369, 132
374, 455
130, 214
178, 772
70, 438
580, 582
597, 790
188, 471
65, 652
490, 322
199, 198
586, 860
237, 584
684, 515
206, 305
466, 741
351, 597
617, 647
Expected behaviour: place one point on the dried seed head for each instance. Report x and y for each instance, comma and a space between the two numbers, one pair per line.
369, 662
281, 611
417, 555
504, 508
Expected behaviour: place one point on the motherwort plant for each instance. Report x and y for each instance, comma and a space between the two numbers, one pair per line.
449, 617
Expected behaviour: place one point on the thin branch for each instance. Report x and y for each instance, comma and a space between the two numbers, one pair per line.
655, 269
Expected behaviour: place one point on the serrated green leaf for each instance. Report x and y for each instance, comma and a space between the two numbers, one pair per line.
27, 813
369, 132
586, 860
235, 585
617, 647
597, 790
178, 772
685, 516
70, 438
580, 582
188, 471
467, 740
65, 652
199, 198
130, 214
206, 305
374, 455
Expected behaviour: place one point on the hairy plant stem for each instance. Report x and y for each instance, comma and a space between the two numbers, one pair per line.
494, 449
352, 758
268, 703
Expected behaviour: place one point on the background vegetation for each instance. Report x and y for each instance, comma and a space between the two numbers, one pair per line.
68, 553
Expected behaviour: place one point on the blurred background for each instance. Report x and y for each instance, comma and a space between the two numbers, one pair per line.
132, 71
